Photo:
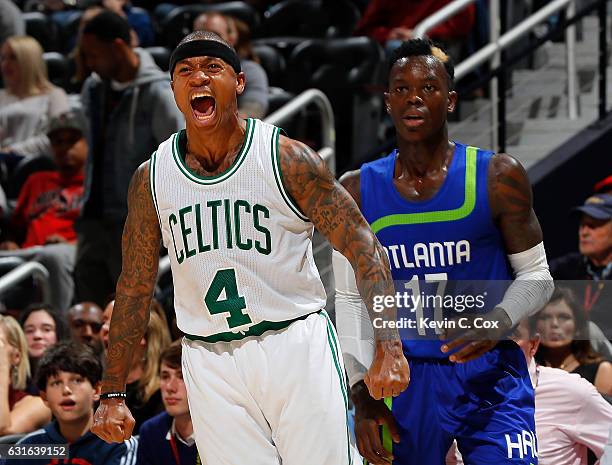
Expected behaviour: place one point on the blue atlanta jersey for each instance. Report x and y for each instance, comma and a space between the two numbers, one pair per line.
448, 243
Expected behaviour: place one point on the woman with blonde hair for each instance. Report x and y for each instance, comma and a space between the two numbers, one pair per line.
143, 394
19, 412
28, 100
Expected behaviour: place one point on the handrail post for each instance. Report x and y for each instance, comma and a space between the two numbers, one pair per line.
570, 62
495, 61
603, 57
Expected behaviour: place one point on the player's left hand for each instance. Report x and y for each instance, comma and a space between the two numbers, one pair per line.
480, 333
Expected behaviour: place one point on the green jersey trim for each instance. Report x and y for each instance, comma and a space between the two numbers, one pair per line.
152, 164
279, 178
459, 213
255, 330
179, 158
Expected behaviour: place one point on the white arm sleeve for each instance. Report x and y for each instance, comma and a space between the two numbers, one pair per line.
352, 321
532, 285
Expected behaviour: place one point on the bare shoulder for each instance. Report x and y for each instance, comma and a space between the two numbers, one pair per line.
303, 170
508, 184
351, 181
139, 192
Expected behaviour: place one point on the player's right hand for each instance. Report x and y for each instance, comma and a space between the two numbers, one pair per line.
389, 373
370, 415
113, 421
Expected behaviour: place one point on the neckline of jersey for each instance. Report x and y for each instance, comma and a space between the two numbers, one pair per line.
440, 192
179, 157
435, 216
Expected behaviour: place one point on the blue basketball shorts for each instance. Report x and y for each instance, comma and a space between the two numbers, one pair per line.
487, 405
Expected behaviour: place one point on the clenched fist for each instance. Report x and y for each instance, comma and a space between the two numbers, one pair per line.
389, 373
113, 421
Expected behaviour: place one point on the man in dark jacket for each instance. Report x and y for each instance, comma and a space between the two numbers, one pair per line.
131, 110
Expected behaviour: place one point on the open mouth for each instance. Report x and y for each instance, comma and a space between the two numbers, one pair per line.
203, 106
68, 403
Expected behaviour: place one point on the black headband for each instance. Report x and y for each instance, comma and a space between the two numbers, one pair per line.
207, 48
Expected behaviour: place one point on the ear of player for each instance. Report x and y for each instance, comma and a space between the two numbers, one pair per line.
389, 373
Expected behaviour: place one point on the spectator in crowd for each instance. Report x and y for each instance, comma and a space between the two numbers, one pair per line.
591, 268
131, 111
143, 394
168, 437
28, 100
42, 224
85, 322
11, 21
604, 186
69, 382
391, 22
571, 417
566, 342
19, 411
138, 19
43, 328
253, 102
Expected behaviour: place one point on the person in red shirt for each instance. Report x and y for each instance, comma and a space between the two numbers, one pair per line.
389, 21
42, 224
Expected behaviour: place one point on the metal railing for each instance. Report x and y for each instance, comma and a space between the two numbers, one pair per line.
328, 128
492, 52
327, 152
24, 271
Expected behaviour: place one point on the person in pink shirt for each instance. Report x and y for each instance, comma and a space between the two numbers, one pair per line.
571, 416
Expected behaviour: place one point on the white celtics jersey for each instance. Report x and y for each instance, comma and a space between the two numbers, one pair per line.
240, 249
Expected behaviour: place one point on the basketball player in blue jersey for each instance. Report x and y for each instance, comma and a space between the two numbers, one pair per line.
235, 204
445, 212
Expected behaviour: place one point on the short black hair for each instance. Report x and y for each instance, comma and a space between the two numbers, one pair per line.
423, 47
108, 26
61, 325
205, 35
71, 357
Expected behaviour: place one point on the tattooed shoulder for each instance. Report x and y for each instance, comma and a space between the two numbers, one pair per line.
508, 186
351, 181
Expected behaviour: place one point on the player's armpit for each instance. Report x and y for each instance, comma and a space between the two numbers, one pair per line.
140, 258
336, 215
511, 203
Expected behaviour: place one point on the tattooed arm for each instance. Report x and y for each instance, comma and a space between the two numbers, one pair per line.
336, 215
140, 247
511, 205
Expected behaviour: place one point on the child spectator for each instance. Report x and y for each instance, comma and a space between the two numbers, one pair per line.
69, 377
168, 437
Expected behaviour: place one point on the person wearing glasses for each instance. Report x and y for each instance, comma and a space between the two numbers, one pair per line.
85, 322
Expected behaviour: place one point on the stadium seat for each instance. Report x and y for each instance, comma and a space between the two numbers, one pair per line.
278, 98
335, 64
179, 21
346, 70
310, 18
68, 32
58, 69
161, 55
43, 29
273, 63
23, 170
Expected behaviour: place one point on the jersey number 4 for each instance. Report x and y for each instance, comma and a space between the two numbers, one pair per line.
233, 303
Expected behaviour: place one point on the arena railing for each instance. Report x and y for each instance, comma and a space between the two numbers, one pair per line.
493, 52
24, 271
321, 249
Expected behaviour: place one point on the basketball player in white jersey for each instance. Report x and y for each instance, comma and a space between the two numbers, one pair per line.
234, 202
